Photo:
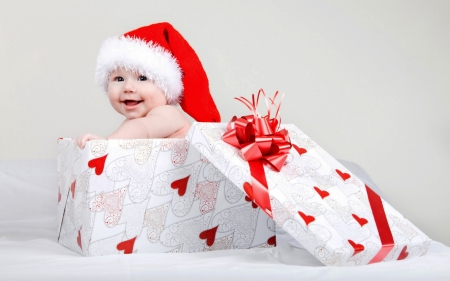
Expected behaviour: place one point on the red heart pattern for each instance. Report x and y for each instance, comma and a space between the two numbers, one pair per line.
299, 149
209, 235
358, 248
344, 176
72, 188
403, 254
322, 193
79, 239
181, 185
179, 150
361, 221
59, 194
248, 188
306, 218
207, 193
272, 241
98, 164
126, 246
248, 199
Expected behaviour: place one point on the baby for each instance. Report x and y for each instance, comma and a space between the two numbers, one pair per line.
145, 108
146, 72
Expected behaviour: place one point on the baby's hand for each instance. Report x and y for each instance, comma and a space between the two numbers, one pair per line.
82, 139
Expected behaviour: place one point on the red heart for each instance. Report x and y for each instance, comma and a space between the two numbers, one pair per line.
356, 247
181, 185
322, 193
98, 164
344, 176
59, 194
250, 200
299, 149
361, 221
209, 235
79, 238
272, 241
126, 246
248, 188
403, 254
72, 188
306, 218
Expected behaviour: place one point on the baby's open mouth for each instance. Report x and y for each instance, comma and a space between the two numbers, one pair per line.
132, 102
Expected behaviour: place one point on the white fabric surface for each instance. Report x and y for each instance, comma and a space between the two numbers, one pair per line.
29, 251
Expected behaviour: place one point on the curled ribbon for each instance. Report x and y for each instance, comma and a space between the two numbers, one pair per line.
261, 142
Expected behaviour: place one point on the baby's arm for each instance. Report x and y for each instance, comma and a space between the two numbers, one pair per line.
82, 139
130, 129
162, 122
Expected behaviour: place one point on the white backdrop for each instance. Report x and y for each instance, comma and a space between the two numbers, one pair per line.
368, 81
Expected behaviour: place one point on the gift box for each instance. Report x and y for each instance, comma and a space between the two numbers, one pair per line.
313, 197
225, 186
151, 195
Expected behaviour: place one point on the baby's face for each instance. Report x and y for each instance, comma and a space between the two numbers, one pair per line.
133, 95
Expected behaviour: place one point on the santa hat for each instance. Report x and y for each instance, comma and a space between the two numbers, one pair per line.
160, 52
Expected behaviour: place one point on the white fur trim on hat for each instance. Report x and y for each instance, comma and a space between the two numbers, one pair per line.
147, 59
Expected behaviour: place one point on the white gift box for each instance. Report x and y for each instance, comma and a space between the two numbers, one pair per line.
319, 202
151, 195
175, 195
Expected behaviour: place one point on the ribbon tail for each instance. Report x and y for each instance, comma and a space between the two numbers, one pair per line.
387, 241
276, 161
260, 187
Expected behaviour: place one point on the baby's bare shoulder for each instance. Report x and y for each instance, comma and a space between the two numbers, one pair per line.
165, 111
164, 121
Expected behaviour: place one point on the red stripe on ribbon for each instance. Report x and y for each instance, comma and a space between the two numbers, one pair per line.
387, 241
259, 186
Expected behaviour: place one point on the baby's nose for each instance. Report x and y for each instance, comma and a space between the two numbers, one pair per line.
129, 86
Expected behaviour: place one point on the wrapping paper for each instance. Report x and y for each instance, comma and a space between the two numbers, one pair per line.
169, 195
320, 203
151, 195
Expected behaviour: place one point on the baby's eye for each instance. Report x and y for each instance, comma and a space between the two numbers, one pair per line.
142, 78
118, 78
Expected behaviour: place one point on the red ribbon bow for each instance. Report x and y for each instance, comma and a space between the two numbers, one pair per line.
261, 142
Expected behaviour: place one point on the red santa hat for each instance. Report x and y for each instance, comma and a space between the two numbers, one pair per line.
160, 52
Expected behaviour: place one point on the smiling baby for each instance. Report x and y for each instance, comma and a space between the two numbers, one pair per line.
146, 73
